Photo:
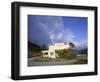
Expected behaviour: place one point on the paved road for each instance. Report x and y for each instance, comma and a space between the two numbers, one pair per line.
32, 62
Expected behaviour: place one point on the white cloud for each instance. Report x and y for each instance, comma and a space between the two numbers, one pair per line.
56, 30
54, 27
81, 45
51, 29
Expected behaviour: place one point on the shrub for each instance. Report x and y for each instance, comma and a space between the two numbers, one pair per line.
68, 54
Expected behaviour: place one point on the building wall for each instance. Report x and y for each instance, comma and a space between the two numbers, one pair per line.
58, 46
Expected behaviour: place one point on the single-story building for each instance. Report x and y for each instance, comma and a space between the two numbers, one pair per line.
50, 53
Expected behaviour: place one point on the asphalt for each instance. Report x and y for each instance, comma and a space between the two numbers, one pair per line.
33, 62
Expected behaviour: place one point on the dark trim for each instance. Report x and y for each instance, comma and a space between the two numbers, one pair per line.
15, 42
29, 4
15, 39
55, 75
96, 41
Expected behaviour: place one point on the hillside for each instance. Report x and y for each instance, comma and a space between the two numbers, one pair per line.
33, 49
32, 46
82, 51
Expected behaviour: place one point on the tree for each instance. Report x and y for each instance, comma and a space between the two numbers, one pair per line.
71, 45
68, 54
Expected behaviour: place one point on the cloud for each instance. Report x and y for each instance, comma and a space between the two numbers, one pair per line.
81, 45
49, 29
55, 28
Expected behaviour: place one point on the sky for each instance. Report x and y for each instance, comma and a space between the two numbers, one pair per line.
46, 30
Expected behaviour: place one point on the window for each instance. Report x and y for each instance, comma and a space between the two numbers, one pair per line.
46, 53
51, 53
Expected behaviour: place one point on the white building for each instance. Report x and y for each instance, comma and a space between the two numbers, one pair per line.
50, 53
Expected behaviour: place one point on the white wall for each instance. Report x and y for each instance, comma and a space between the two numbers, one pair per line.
5, 38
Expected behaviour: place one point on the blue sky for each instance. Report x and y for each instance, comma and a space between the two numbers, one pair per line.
45, 30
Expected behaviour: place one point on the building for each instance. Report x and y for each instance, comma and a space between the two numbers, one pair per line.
50, 53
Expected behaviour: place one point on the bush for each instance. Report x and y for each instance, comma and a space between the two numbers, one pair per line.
68, 54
